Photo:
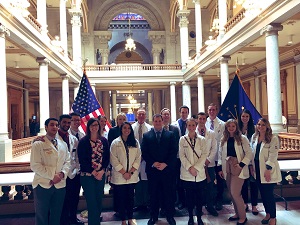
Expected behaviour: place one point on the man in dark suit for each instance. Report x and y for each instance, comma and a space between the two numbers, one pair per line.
159, 150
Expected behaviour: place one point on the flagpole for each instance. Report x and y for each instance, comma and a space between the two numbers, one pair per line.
84, 61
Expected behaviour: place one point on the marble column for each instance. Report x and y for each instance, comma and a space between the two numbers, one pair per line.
155, 55
222, 17
104, 55
198, 20
42, 15
43, 92
224, 76
93, 86
114, 104
63, 26
76, 35
26, 110
5, 142
186, 95
201, 102
297, 63
157, 95
273, 76
257, 90
173, 101
150, 109
65, 93
106, 103
184, 35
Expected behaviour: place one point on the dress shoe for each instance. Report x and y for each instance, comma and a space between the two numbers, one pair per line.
219, 206
171, 221
211, 211
191, 221
77, 221
151, 221
265, 221
242, 223
232, 218
199, 221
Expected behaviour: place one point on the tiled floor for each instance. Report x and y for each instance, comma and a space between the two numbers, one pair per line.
284, 217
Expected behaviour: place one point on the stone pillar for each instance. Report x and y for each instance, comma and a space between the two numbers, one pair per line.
150, 109
5, 142
101, 42
106, 103
198, 20
76, 35
26, 110
201, 103
297, 63
114, 104
104, 54
222, 17
184, 35
224, 76
157, 101
76, 89
42, 16
273, 76
155, 55
257, 90
173, 101
63, 26
65, 93
44, 92
186, 95
93, 86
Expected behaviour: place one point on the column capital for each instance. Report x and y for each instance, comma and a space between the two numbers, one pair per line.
4, 31
172, 83
187, 83
75, 14
104, 52
104, 36
200, 74
271, 29
157, 37
64, 76
42, 61
183, 17
85, 37
224, 59
173, 37
156, 51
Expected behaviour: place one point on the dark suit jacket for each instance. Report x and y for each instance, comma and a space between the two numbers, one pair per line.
165, 151
113, 133
177, 135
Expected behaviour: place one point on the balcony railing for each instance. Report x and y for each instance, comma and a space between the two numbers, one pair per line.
22, 146
289, 146
133, 67
234, 20
30, 18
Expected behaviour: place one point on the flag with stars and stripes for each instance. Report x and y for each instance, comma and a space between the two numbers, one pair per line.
86, 103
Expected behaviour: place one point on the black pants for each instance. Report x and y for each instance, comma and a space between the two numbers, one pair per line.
253, 192
161, 183
69, 211
124, 195
179, 189
209, 188
220, 185
194, 196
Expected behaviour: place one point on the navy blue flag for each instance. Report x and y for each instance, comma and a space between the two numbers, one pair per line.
236, 101
86, 103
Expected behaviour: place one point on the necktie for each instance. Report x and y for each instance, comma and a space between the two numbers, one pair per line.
202, 132
77, 135
212, 126
54, 142
140, 131
166, 127
158, 136
183, 128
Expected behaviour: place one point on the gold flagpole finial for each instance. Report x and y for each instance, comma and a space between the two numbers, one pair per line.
84, 61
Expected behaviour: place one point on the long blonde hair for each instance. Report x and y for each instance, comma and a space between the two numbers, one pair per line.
237, 134
269, 134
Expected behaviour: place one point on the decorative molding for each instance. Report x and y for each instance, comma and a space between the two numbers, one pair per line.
183, 17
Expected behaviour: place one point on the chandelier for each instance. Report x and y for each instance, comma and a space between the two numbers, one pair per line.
130, 45
21, 6
252, 7
216, 22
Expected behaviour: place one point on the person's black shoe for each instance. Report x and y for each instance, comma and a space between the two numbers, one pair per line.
77, 221
212, 211
199, 221
180, 206
151, 221
171, 221
265, 221
242, 223
233, 218
219, 206
191, 221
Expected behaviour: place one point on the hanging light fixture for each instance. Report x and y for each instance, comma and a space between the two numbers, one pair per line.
130, 45
216, 22
252, 7
21, 6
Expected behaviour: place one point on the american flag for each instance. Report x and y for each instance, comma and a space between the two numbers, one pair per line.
86, 103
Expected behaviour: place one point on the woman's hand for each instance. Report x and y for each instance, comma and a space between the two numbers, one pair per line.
221, 174
267, 175
193, 171
252, 171
126, 176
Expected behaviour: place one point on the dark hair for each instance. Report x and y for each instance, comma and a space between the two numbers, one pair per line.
156, 115
165, 109
48, 120
131, 142
74, 114
250, 125
184, 107
89, 123
201, 114
63, 116
101, 116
